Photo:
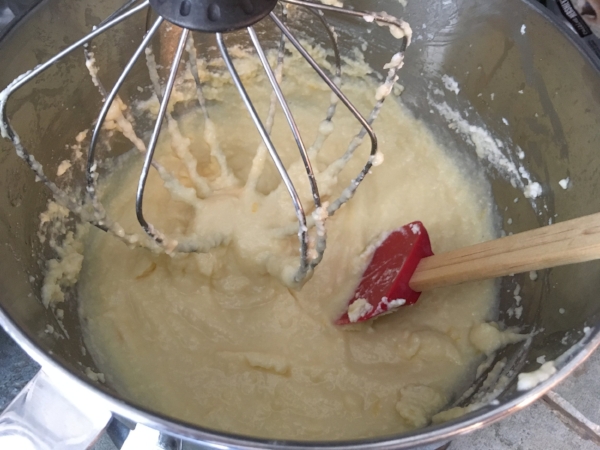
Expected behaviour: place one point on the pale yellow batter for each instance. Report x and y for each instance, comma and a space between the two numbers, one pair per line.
219, 339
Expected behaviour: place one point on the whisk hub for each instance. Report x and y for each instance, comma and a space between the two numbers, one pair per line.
213, 16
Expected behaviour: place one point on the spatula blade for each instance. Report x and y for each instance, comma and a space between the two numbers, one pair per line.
384, 286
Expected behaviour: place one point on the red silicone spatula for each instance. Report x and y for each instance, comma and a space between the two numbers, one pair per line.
403, 265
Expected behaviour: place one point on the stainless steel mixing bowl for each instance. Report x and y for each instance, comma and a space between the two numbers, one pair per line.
514, 65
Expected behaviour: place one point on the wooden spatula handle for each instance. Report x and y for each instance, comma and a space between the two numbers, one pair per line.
564, 243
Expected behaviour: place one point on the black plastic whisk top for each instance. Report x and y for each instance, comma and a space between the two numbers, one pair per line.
213, 16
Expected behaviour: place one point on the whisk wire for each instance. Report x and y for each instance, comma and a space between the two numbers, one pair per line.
300, 214
139, 200
368, 16
215, 149
289, 116
91, 163
123, 8
366, 127
337, 79
296, 43
259, 158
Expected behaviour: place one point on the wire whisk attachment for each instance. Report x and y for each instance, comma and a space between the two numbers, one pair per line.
219, 18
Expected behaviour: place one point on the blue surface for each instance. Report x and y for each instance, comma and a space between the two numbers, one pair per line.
16, 369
